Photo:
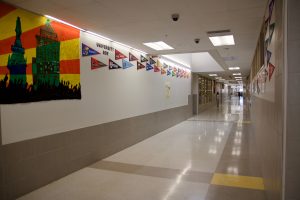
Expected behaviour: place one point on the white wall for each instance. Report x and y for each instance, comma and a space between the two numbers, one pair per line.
107, 95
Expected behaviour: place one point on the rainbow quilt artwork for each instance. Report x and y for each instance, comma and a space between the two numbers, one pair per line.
39, 58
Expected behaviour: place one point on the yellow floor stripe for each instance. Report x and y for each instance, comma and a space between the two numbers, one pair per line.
238, 181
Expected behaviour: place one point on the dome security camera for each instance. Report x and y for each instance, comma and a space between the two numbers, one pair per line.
197, 40
175, 17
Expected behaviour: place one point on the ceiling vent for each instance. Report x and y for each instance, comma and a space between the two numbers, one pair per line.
230, 58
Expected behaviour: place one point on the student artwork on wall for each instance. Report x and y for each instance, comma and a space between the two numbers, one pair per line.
108, 54
263, 83
39, 58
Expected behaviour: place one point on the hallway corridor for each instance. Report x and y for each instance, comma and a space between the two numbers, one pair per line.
210, 156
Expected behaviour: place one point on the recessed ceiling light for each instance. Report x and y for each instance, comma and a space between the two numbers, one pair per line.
222, 40
234, 68
236, 74
212, 75
160, 45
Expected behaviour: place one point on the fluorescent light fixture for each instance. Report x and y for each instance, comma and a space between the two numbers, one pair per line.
212, 75
238, 77
222, 40
234, 68
160, 45
218, 78
129, 47
92, 33
236, 74
103, 37
61, 21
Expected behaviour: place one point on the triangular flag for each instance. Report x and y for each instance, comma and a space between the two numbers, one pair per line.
267, 21
271, 5
178, 72
271, 70
269, 54
265, 75
271, 31
156, 68
168, 72
95, 64
119, 55
181, 73
158, 64
143, 59
163, 71
148, 67
140, 65
173, 73
266, 44
113, 65
257, 85
88, 51
132, 57
152, 61
126, 64
165, 66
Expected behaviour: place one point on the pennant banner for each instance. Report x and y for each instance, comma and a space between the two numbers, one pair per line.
152, 61
163, 71
119, 55
165, 66
88, 51
140, 65
126, 64
169, 73
271, 6
156, 68
267, 42
143, 59
95, 64
159, 64
271, 70
113, 65
148, 67
132, 57
271, 31
269, 54
178, 73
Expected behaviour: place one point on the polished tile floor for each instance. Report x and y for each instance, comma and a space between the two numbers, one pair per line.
210, 156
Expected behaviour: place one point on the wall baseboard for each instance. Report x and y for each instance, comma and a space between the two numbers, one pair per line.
31, 164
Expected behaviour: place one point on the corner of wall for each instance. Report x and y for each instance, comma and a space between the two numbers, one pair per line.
1, 163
